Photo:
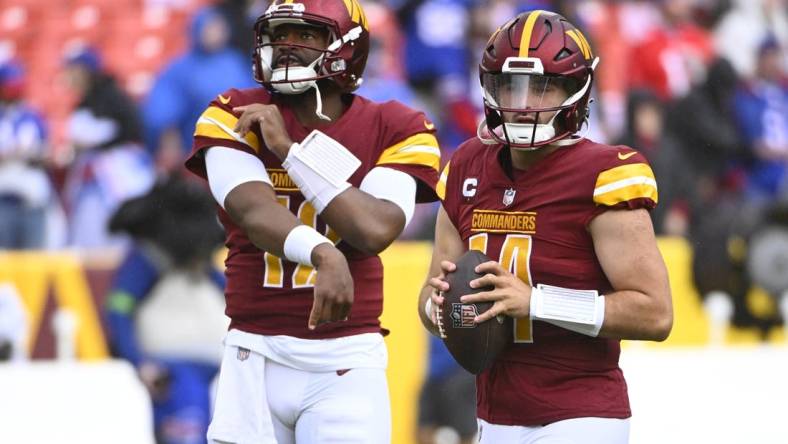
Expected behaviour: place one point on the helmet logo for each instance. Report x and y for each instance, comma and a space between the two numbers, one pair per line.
581, 42
356, 13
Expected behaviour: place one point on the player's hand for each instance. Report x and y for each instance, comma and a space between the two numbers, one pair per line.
511, 296
272, 126
333, 287
439, 285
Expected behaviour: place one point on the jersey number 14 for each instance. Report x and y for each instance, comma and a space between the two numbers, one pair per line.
515, 257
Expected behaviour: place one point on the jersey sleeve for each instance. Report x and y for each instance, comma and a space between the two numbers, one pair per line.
625, 181
214, 127
411, 147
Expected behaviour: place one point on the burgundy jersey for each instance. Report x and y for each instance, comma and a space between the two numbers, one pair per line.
269, 295
536, 225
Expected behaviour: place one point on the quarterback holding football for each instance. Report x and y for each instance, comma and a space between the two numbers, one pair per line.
575, 264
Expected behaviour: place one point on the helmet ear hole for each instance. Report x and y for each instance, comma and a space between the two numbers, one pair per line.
563, 54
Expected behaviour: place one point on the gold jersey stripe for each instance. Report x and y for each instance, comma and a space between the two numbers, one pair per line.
528, 29
624, 183
622, 172
218, 124
642, 190
224, 117
404, 152
440, 189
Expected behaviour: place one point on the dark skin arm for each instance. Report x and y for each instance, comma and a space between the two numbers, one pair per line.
253, 206
364, 221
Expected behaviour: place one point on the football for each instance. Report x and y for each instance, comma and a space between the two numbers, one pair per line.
473, 346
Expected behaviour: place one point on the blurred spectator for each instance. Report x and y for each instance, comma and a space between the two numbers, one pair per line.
746, 26
645, 131
762, 112
188, 84
165, 308
25, 188
711, 149
448, 397
616, 27
437, 62
110, 166
240, 17
672, 56
13, 325
384, 75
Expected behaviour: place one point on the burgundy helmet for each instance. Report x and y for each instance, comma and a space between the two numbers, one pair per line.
524, 61
342, 61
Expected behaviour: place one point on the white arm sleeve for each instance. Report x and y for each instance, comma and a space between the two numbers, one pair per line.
394, 186
227, 168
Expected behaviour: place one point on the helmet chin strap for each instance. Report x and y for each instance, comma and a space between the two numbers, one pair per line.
292, 86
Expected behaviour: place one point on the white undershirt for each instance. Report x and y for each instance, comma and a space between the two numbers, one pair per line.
228, 168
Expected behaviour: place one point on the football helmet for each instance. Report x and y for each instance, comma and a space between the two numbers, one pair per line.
342, 61
527, 62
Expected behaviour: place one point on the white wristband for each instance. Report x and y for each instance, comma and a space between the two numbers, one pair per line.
300, 242
320, 167
581, 311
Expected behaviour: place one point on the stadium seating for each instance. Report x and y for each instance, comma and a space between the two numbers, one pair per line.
135, 38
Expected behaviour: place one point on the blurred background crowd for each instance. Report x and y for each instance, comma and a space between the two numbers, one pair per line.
98, 101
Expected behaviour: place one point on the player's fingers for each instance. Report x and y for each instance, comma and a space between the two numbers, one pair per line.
250, 115
482, 296
240, 109
339, 311
492, 312
243, 123
438, 284
489, 267
326, 312
316, 312
487, 279
437, 300
448, 266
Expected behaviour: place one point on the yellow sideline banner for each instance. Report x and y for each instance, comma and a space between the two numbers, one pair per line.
35, 274
405, 266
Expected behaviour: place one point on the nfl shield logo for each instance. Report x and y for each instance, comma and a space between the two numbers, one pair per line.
508, 196
243, 354
462, 315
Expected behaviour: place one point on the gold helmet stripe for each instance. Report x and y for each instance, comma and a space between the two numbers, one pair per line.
528, 28
580, 43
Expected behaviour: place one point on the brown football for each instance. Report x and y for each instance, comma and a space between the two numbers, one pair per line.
473, 346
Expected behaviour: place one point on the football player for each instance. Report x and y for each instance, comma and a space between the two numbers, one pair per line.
313, 182
566, 219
